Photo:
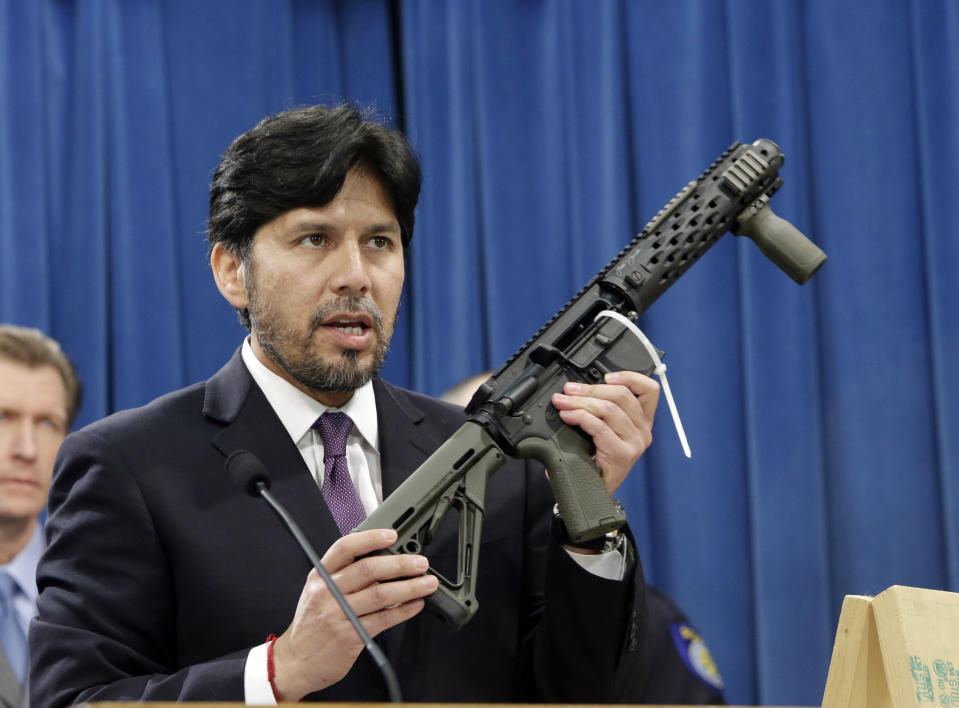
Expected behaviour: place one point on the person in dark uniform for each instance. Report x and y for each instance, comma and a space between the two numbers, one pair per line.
682, 670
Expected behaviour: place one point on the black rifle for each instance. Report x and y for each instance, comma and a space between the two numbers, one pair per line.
511, 414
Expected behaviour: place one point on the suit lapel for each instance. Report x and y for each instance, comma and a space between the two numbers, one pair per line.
402, 450
404, 442
233, 398
407, 439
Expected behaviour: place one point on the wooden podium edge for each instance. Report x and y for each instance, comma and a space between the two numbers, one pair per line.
857, 674
405, 705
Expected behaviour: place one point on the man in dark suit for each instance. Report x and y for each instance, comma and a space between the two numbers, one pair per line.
39, 397
162, 581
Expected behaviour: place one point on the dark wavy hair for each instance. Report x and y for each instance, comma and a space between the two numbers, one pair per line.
299, 158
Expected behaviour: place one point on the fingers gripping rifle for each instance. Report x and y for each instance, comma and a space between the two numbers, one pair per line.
511, 414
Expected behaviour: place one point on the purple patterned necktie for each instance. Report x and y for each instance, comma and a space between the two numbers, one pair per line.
338, 489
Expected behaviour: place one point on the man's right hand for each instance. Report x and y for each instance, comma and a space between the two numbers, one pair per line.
320, 645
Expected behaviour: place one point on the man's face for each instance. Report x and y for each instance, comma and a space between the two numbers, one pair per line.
33, 423
323, 287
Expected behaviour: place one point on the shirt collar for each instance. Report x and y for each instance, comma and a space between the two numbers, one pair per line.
298, 411
23, 567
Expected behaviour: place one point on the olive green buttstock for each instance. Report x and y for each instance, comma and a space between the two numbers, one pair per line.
452, 478
453, 607
585, 505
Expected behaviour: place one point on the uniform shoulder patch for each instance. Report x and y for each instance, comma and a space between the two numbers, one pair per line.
694, 653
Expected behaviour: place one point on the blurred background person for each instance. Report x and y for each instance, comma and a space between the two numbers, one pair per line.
39, 398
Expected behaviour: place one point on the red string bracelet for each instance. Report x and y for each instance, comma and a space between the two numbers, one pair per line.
270, 668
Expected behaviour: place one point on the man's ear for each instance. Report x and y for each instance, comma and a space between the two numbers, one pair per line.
230, 275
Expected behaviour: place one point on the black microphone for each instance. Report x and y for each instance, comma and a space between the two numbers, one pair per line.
249, 472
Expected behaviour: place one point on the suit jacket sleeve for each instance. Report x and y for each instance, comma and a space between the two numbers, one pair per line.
106, 612
587, 634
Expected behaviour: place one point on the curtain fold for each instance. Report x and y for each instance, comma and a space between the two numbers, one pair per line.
782, 396
934, 34
823, 419
22, 167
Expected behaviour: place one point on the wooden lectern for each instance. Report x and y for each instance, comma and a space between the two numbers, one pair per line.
899, 649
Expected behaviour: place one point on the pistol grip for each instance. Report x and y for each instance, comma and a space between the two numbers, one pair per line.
577, 483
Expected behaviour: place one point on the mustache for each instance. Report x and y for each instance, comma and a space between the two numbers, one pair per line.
347, 303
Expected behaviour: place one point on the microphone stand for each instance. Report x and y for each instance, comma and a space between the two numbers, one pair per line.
389, 675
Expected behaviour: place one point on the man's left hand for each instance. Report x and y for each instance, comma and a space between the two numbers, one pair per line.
617, 414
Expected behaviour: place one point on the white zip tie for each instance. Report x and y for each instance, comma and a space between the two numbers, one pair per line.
660, 371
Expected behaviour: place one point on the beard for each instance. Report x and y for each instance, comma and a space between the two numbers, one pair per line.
294, 351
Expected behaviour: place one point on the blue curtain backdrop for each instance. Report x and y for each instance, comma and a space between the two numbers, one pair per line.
824, 420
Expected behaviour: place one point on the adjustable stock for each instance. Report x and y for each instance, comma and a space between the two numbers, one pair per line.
454, 477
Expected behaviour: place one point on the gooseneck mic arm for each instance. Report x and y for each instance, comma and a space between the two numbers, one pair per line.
250, 473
